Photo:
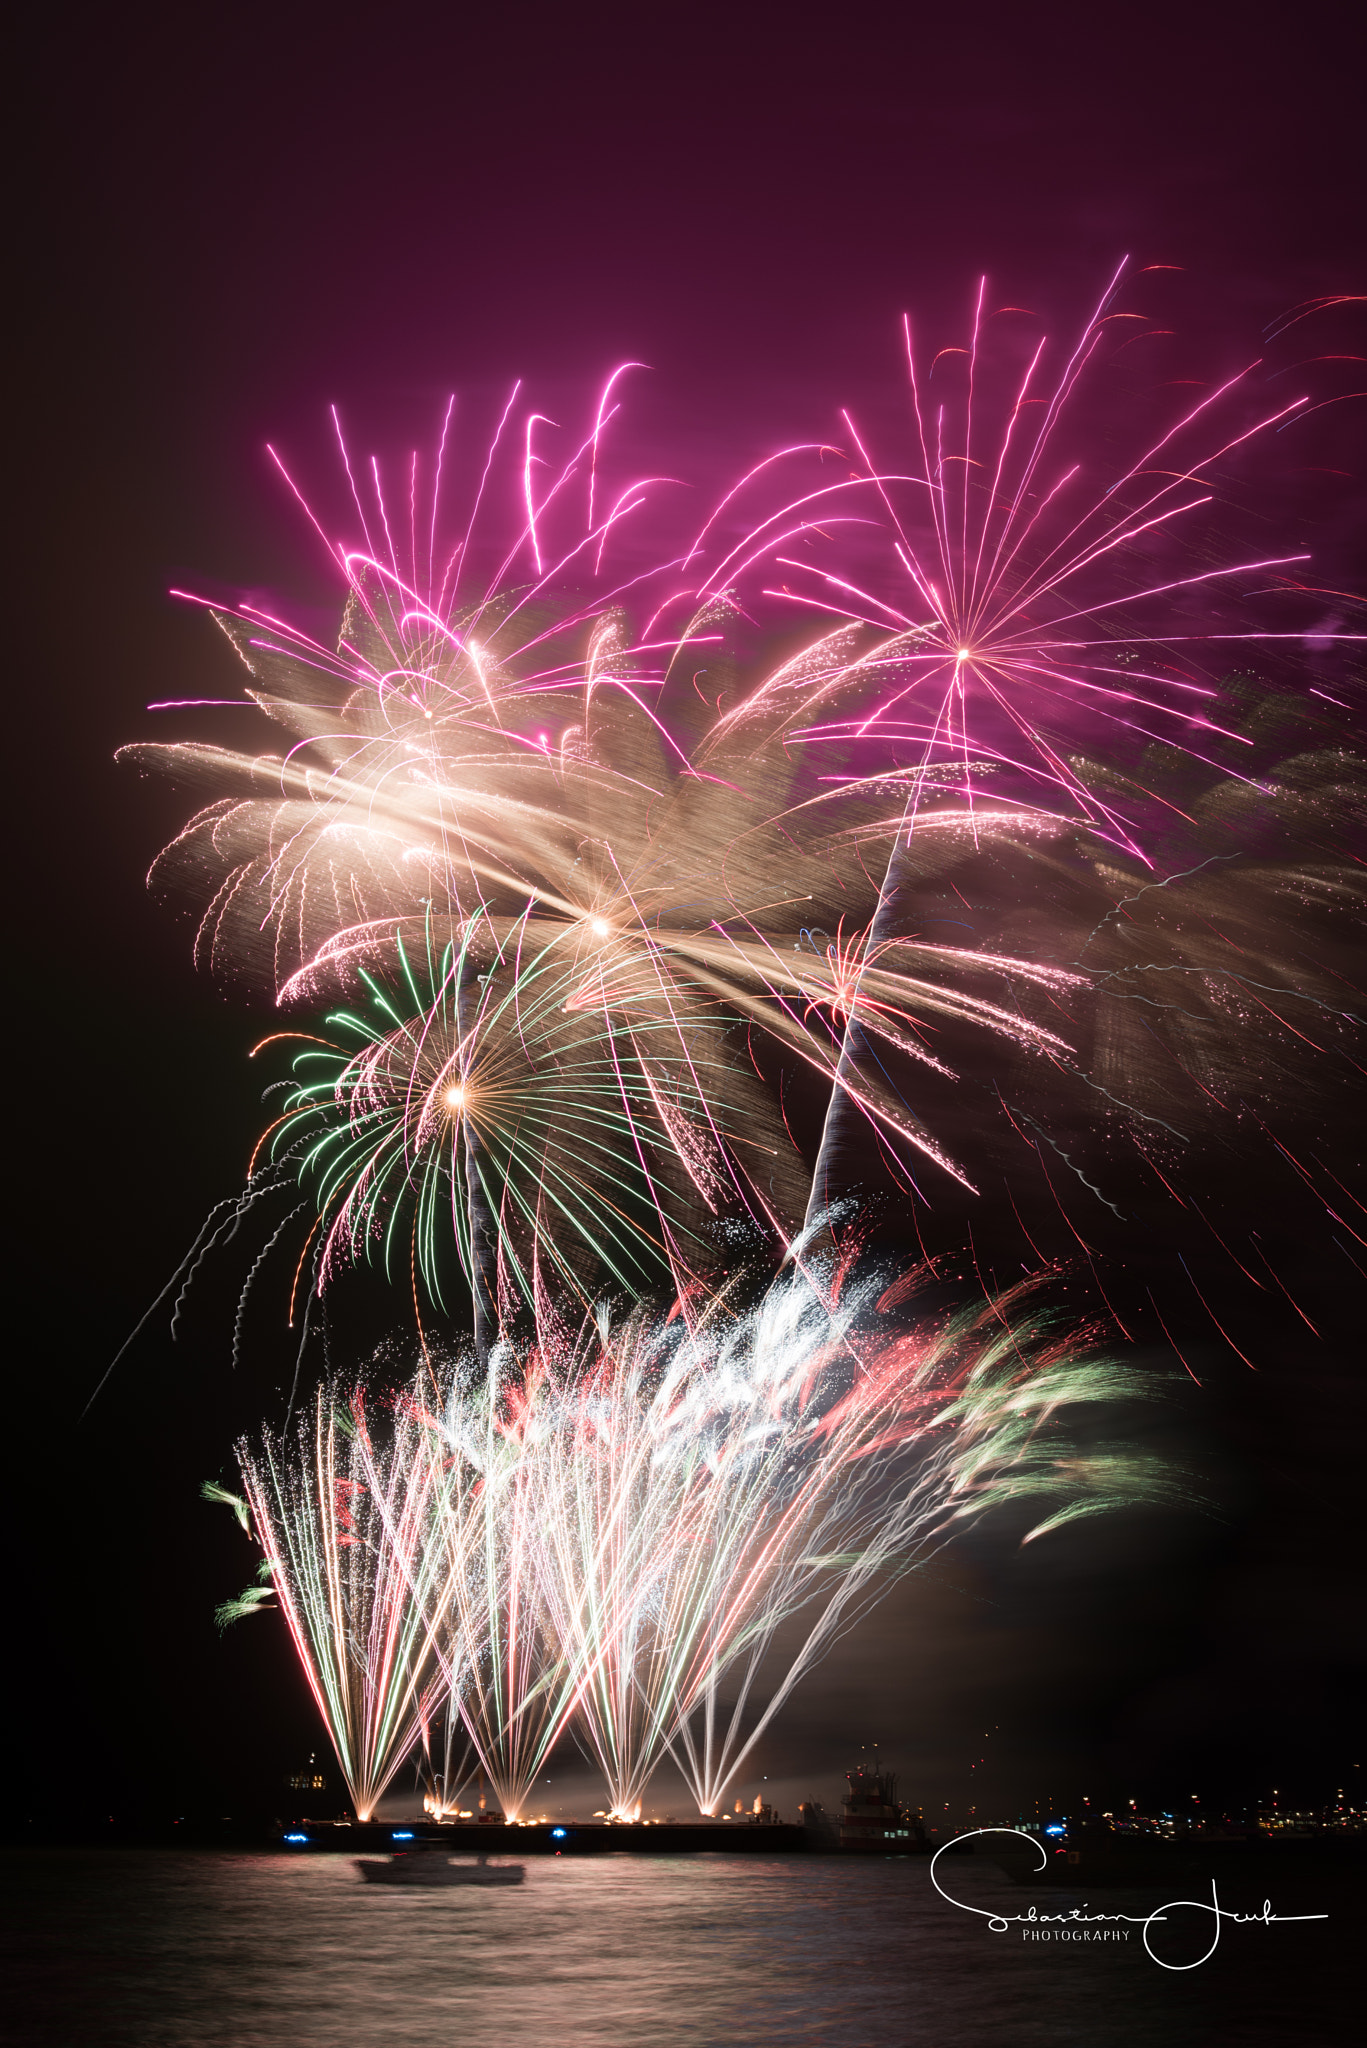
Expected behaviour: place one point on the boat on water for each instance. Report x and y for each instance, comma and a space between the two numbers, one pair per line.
873, 1820
428, 1869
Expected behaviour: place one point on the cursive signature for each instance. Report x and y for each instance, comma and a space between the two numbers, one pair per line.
1071, 1923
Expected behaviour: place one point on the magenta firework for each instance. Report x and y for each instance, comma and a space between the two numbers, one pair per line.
623, 973
1021, 586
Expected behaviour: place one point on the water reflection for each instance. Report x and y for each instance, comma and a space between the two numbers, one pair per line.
158, 1950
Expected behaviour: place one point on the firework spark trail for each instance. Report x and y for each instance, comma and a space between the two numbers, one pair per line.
611, 1103
399, 1555
1020, 631
423, 741
413, 790
1017, 629
609, 1534
720, 1480
617, 1118
510, 1687
485, 768
655, 1064
344, 1537
1221, 972
423, 777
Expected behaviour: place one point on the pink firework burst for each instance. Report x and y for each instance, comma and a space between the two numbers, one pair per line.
466, 567
1016, 597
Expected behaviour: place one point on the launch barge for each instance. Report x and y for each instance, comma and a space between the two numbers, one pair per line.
872, 1822
548, 1838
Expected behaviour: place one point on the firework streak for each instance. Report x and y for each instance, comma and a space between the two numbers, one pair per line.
593, 894
606, 1537
345, 1542
600, 1106
1005, 598
577, 879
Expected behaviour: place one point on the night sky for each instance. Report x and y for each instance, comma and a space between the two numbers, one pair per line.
228, 220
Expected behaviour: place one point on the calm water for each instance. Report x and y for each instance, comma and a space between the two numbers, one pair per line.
157, 1949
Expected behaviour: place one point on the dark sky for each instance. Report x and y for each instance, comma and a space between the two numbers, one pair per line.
229, 218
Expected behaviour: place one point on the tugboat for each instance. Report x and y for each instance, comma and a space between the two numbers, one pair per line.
427, 1869
872, 1820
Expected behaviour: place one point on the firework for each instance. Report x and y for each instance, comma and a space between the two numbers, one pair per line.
345, 1539
506, 1679
597, 1119
1006, 598
570, 1123
607, 1535
1215, 1042
1016, 621
994, 860
597, 932
476, 776
704, 1484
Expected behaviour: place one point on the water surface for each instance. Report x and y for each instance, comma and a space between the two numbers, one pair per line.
159, 1949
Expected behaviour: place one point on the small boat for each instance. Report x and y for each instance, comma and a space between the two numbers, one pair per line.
437, 1870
